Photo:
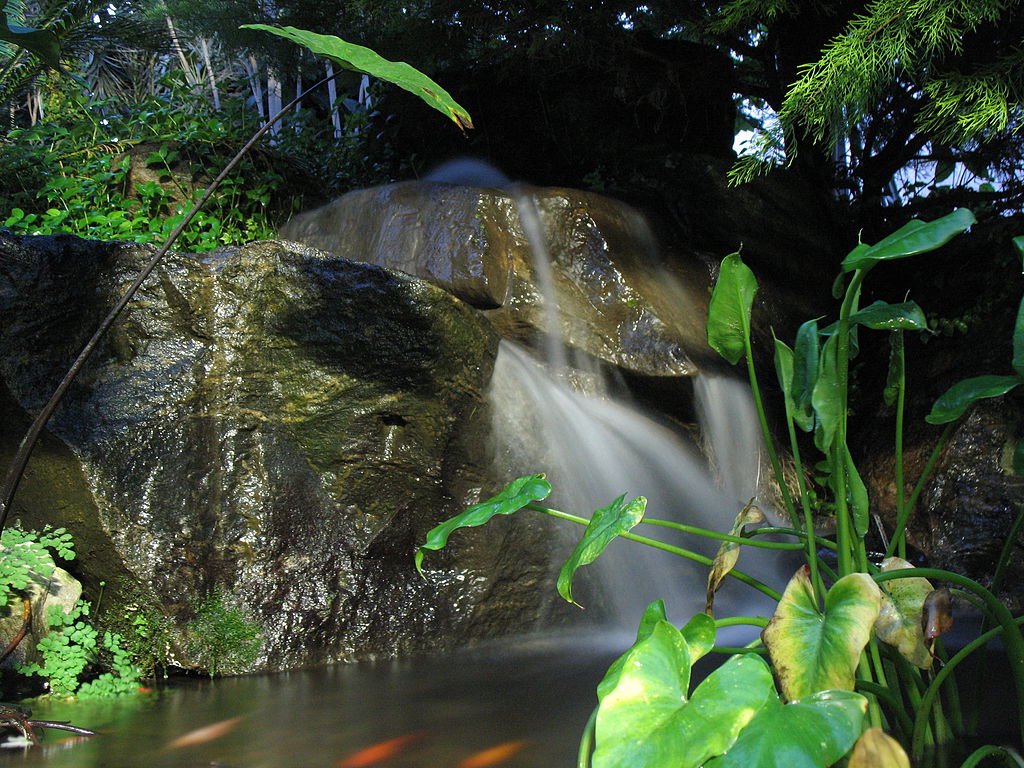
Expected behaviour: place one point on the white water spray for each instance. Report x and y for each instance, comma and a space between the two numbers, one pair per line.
594, 448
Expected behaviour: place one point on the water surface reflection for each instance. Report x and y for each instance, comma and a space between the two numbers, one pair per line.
538, 694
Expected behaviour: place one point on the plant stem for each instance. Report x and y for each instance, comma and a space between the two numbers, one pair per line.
901, 542
20, 460
901, 522
698, 558
587, 741
766, 432
707, 533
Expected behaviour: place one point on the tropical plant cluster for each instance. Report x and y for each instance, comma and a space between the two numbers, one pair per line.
851, 662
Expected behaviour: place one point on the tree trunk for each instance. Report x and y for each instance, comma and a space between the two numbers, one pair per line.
332, 98
204, 50
190, 75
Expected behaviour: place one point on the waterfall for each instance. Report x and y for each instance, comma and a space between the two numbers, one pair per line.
594, 446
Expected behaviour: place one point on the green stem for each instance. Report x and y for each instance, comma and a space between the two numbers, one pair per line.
818, 540
901, 523
1012, 639
1010, 756
812, 555
742, 621
587, 741
698, 558
901, 543
745, 540
766, 432
894, 704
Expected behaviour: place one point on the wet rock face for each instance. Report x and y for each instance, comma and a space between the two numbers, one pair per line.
618, 303
270, 423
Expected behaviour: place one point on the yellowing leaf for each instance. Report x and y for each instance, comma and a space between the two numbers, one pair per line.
816, 651
876, 749
729, 551
899, 620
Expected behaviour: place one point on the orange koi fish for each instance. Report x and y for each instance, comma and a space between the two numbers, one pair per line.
205, 734
493, 756
378, 753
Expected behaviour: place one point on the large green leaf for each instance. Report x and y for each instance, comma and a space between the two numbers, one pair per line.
813, 651
605, 524
646, 719
40, 42
511, 498
361, 59
729, 310
899, 621
814, 732
827, 396
958, 398
912, 238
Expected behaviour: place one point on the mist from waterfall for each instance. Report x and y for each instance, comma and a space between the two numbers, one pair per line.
595, 445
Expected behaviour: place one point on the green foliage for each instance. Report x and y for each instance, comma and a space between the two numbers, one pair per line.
78, 175
222, 637
28, 556
361, 59
729, 312
71, 647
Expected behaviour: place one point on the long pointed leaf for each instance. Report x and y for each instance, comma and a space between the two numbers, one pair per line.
958, 398
511, 498
912, 238
729, 310
827, 397
604, 526
857, 496
1018, 341
805, 374
358, 58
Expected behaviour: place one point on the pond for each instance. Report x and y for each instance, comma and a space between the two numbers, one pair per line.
517, 704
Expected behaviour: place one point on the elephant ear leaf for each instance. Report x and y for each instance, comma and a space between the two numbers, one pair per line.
816, 651
511, 498
958, 398
360, 59
605, 524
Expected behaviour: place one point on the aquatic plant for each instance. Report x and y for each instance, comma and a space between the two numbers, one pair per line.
850, 649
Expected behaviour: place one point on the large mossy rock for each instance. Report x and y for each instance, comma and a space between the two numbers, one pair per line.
272, 426
618, 300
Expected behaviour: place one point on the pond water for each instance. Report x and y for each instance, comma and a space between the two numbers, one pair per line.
530, 700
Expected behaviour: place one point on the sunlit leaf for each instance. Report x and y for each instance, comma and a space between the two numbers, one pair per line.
899, 620
361, 59
511, 498
912, 238
653, 613
646, 717
39, 42
604, 526
815, 651
958, 398
827, 396
877, 749
730, 307
937, 614
813, 732
729, 551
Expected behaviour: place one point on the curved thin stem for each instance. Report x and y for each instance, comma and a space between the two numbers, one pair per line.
745, 540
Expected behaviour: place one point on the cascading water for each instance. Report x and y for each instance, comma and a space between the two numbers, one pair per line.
594, 446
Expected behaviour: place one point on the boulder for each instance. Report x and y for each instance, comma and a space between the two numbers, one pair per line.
269, 424
617, 300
